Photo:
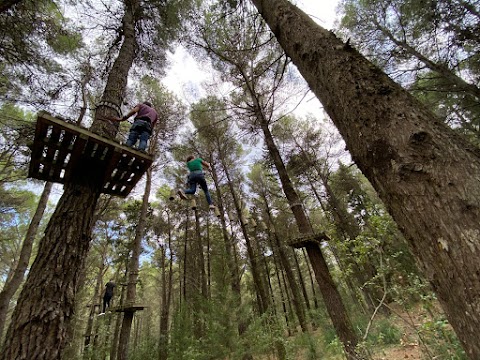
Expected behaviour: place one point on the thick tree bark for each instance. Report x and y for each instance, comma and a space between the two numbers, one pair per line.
427, 175
15, 280
39, 323
7, 4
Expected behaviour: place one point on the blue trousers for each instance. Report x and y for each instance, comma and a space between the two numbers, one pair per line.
138, 131
195, 178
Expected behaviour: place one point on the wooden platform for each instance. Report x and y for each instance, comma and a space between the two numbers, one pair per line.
301, 241
59, 146
129, 308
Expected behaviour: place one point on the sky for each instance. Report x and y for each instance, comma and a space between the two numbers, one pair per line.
322, 11
187, 79
185, 74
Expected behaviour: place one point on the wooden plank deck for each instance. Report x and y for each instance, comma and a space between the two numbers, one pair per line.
128, 308
303, 240
59, 146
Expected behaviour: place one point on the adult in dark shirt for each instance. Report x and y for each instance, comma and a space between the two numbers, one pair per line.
107, 295
145, 119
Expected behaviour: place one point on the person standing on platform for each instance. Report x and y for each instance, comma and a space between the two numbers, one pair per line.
145, 119
107, 296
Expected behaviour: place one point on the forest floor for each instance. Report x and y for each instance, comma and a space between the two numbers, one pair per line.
401, 352
408, 347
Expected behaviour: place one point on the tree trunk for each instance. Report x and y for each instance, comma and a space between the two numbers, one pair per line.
96, 297
330, 293
133, 268
186, 257
345, 229
118, 323
257, 279
307, 264
199, 278
15, 280
287, 267
166, 296
338, 315
229, 250
302, 281
39, 323
209, 265
267, 271
280, 287
425, 173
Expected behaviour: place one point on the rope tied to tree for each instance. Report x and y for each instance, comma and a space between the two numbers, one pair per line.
111, 106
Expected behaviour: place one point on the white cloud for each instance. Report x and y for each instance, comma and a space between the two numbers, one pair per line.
321, 11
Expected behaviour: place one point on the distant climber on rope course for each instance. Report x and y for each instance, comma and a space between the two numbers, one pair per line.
107, 296
197, 176
142, 126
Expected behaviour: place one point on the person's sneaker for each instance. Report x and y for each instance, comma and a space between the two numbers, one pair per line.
212, 207
101, 314
142, 151
182, 194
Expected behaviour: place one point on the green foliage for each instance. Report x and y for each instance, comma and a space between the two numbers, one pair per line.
16, 131
441, 338
160, 23
437, 332
384, 332
16, 209
182, 343
460, 111
145, 349
65, 43
35, 34
404, 37
308, 344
